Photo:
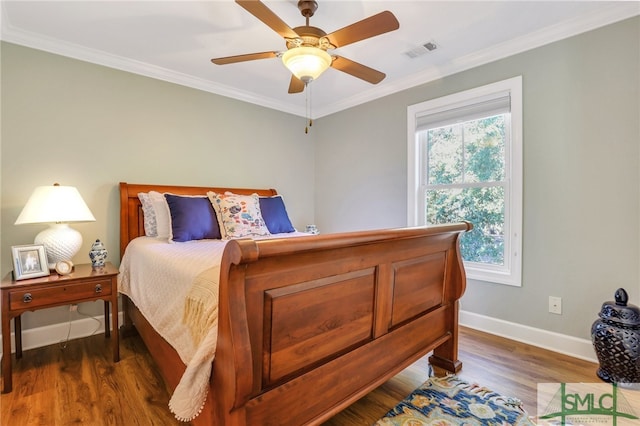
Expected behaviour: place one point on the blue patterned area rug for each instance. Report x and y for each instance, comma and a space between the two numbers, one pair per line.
449, 401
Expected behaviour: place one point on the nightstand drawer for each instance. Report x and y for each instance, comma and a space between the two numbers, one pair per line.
63, 294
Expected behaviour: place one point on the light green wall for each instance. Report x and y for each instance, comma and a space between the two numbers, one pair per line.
581, 174
89, 126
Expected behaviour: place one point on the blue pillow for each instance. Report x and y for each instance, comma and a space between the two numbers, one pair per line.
275, 215
192, 218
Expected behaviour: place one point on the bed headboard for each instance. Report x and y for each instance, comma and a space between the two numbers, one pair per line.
131, 218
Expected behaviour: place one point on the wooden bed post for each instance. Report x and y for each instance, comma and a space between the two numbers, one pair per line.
232, 372
446, 355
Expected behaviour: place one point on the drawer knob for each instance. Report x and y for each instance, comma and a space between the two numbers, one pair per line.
27, 298
98, 288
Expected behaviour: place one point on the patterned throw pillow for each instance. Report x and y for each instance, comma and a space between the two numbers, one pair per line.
157, 222
150, 225
238, 215
163, 217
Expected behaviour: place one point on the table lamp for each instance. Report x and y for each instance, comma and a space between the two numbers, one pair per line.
56, 205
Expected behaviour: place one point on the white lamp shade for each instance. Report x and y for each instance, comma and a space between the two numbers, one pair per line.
55, 204
306, 63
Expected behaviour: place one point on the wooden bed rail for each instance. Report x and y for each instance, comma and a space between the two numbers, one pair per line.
252, 249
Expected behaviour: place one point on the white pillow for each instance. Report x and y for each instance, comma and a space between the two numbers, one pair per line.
150, 224
238, 215
163, 217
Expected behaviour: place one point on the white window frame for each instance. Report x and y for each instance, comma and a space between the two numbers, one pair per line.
511, 272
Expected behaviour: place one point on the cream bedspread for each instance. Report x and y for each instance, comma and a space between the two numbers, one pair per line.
175, 287
158, 277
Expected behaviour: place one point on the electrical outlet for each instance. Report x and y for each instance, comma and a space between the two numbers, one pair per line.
555, 305
73, 307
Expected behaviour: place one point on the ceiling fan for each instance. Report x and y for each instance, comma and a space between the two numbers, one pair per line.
306, 55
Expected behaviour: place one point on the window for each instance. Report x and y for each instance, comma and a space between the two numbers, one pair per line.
465, 163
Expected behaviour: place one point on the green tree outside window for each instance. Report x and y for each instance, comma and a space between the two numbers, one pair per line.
465, 181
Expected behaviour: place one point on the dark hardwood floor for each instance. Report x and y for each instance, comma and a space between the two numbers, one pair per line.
80, 384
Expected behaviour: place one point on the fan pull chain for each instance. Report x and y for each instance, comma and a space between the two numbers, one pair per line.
308, 108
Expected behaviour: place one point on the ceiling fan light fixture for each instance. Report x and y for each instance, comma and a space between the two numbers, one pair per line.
306, 62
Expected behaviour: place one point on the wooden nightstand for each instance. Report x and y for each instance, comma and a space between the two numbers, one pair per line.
84, 284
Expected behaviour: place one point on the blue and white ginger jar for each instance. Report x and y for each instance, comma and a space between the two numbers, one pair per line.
98, 254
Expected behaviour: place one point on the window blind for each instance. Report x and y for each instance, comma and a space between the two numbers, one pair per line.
498, 103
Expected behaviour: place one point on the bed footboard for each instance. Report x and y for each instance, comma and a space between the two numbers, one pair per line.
331, 317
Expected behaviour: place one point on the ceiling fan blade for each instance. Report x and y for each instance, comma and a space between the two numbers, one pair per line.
296, 85
263, 13
243, 58
363, 72
372, 26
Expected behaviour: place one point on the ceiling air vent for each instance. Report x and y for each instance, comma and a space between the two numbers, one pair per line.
421, 50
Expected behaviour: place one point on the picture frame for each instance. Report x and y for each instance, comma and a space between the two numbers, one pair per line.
29, 261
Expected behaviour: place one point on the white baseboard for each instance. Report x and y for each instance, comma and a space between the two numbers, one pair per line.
53, 334
561, 343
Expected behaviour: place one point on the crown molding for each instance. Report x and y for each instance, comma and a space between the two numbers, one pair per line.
74, 51
614, 13
547, 35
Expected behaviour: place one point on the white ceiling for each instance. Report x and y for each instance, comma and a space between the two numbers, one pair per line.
175, 40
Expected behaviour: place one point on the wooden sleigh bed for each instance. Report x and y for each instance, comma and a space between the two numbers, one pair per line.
308, 325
